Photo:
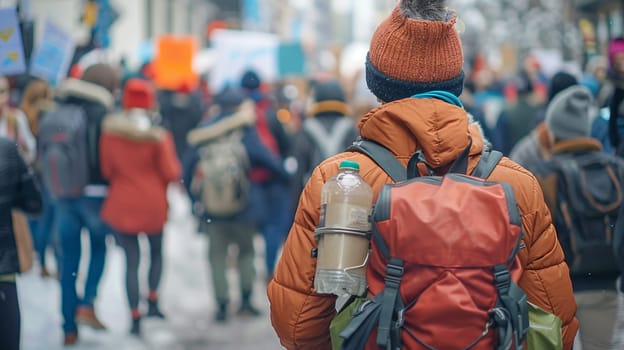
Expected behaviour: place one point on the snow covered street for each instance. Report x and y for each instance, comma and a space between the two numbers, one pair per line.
186, 300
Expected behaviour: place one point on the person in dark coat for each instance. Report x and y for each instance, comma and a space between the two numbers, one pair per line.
240, 228
330, 110
275, 193
568, 120
18, 191
180, 111
533, 149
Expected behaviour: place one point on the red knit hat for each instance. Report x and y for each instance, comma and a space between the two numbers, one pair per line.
408, 56
138, 93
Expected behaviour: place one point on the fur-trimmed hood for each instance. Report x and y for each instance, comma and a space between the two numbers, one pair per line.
86, 90
245, 116
580, 144
131, 125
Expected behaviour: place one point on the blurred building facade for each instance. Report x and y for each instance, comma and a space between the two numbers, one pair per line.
326, 25
599, 21
137, 20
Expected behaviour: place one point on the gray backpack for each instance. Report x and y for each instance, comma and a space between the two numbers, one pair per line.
221, 178
63, 148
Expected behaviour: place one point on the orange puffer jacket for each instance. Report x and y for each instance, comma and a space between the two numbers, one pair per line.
301, 317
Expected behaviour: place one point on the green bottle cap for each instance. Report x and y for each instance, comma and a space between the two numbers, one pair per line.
349, 164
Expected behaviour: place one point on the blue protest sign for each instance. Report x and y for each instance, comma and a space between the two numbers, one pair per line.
11, 48
107, 15
52, 58
291, 59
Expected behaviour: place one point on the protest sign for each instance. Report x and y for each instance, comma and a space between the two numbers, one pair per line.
11, 49
291, 58
53, 56
173, 62
238, 51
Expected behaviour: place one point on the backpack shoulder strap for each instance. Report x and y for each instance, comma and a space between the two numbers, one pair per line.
386, 160
488, 161
381, 156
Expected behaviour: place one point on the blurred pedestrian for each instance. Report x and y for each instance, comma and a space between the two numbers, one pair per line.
227, 204
181, 110
517, 119
36, 100
275, 192
138, 158
533, 149
14, 124
583, 189
93, 95
18, 191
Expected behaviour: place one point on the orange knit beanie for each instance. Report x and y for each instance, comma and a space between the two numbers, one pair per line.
408, 56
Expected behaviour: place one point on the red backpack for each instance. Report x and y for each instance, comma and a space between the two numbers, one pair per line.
443, 269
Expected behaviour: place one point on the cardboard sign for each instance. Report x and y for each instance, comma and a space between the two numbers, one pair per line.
11, 49
173, 62
52, 58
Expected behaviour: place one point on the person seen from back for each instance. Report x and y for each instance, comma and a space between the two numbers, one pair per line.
274, 191
93, 94
531, 150
234, 121
414, 65
568, 121
139, 161
327, 130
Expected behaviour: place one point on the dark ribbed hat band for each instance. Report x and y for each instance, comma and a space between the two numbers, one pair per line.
390, 89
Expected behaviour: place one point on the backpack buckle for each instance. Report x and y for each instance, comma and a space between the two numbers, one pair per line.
502, 277
394, 274
394, 270
499, 316
400, 318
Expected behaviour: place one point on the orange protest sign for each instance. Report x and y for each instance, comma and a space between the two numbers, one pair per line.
173, 62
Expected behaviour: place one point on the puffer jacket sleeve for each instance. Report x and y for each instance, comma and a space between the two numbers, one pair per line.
546, 277
300, 316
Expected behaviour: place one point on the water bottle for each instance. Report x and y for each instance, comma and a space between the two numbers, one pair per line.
343, 233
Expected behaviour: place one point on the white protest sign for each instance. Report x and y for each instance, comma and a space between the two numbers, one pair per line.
238, 51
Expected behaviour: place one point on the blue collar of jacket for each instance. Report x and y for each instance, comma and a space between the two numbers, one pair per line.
441, 95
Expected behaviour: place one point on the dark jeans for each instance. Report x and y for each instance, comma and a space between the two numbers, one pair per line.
279, 219
9, 317
43, 229
130, 245
72, 216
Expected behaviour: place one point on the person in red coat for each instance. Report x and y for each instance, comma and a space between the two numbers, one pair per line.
139, 160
